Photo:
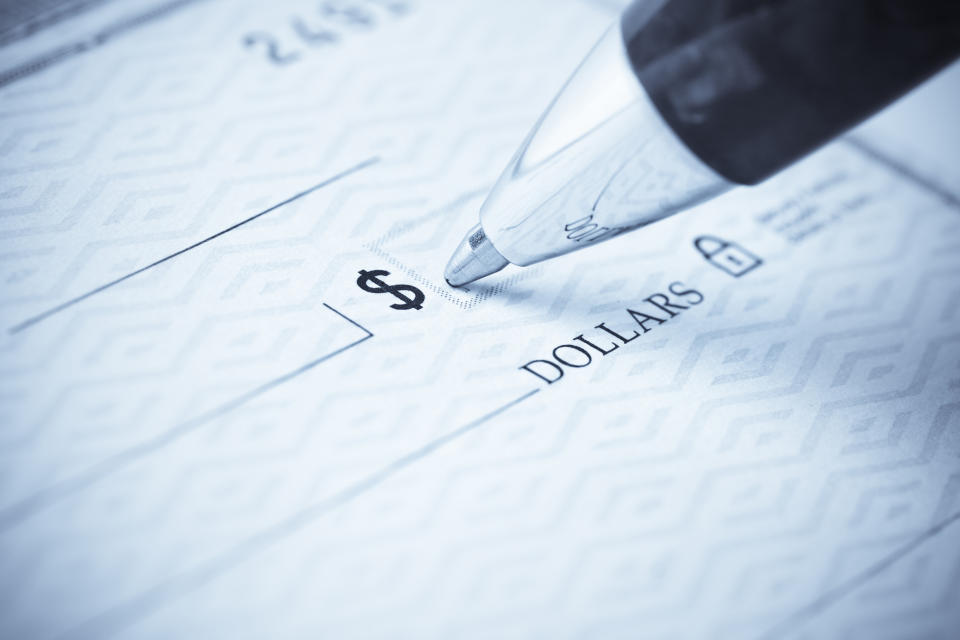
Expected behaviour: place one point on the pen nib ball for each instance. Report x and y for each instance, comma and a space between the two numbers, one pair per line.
474, 258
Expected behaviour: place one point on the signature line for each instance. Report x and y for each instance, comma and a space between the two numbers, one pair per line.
113, 620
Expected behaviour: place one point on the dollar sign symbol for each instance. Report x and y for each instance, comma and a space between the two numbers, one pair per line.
411, 296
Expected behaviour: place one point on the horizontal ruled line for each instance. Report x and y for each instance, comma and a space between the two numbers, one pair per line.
29, 322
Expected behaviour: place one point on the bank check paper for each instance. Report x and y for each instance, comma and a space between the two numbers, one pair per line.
210, 430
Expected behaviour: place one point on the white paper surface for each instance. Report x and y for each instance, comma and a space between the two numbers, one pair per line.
239, 441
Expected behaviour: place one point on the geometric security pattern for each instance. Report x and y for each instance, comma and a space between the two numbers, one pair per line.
238, 441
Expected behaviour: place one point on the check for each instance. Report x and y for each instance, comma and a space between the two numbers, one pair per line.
741, 422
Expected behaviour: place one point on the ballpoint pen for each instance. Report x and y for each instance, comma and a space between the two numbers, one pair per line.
684, 99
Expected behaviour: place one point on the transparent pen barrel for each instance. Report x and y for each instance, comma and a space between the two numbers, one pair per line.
601, 161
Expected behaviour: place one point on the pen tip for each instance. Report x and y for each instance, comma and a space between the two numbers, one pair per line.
474, 258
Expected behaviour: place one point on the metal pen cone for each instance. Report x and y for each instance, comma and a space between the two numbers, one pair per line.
474, 258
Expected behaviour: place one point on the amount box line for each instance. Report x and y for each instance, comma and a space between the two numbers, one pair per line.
59, 491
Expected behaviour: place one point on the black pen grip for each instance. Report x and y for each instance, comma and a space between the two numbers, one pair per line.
752, 85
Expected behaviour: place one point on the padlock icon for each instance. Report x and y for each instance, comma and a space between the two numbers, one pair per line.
727, 256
